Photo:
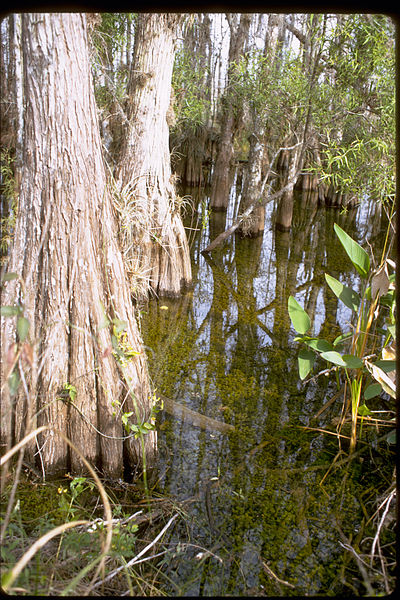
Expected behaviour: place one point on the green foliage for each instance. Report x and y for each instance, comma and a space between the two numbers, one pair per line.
354, 109
142, 427
299, 317
122, 350
68, 393
37, 511
356, 253
359, 371
348, 296
109, 64
274, 92
191, 104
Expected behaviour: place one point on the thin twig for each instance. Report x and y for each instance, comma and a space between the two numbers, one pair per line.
270, 572
387, 501
135, 560
361, 567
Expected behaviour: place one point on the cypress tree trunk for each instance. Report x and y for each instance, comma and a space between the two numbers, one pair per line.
66, 253
157, 240
221, 181
254, 224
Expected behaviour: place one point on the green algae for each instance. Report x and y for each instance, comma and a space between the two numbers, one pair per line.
226, 350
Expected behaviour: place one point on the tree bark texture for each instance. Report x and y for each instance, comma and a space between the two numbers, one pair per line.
254, 225
143, 176
220, 184
66, 253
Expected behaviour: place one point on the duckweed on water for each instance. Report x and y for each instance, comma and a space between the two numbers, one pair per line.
226, 350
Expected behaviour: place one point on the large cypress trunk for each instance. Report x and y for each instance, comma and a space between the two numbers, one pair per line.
157, 239
66, 253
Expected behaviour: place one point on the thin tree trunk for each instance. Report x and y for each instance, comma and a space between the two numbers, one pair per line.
66, 253
143, 174
221, 180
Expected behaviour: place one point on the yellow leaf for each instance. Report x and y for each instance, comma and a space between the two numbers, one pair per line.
389, 353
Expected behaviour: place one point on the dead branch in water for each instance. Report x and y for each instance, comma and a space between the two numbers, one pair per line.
225, 234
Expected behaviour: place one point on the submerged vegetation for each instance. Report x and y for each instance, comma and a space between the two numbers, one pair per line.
274, 472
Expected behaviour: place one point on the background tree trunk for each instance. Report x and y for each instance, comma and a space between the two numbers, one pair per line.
144, 175
65, 250
221, 181
254, 225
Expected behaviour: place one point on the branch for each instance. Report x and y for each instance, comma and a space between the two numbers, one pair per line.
225, 234
300, 36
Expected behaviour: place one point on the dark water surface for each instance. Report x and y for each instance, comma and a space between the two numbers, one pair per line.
226, 349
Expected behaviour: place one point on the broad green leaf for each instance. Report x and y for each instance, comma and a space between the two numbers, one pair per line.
388, 299
386, 365
357, 255
352, 362
373, 390
306, 360
334, 357
363, 410
10, 311
319, 345
9, 276
300, 319
23, 328
348, 296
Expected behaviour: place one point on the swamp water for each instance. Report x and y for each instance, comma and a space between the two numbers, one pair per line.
257, 519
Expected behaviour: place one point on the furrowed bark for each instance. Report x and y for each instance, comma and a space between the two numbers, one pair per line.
67, 255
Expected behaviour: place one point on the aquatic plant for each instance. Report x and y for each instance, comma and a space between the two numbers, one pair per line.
369, 371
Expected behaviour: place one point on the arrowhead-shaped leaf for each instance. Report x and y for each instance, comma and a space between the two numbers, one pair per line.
373, 390
386, 365
357, 255
348, 296
334, 357
352, 362
300, 319
306, 360
319, 345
